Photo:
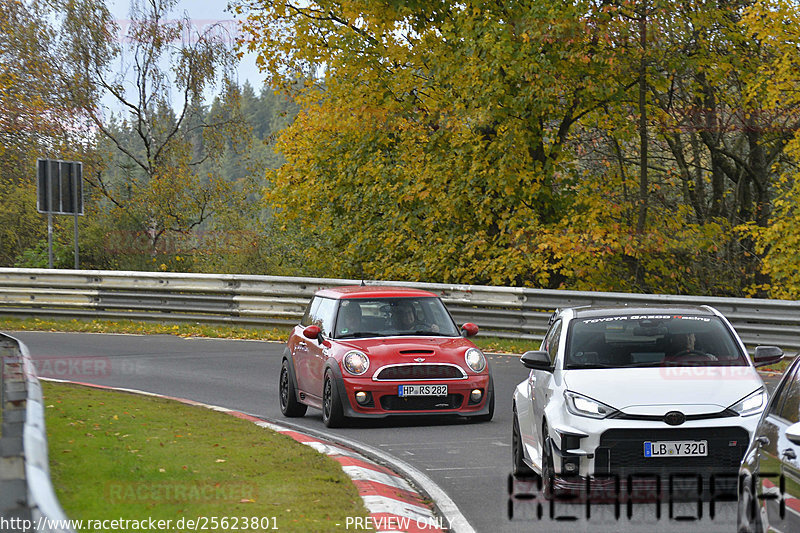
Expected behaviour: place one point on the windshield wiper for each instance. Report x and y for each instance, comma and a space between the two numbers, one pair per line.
643, 364
579, 366
360, 334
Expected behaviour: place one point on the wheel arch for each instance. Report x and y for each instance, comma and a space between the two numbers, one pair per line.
289, 360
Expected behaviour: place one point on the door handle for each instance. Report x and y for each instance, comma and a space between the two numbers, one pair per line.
762, 440
789, 454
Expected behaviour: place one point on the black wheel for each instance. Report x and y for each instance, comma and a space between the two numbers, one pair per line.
519, 468
747, 520
488, 416
332, 414
290, 407
548, 472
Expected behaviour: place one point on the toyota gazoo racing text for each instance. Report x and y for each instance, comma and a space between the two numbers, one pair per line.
653, 397
373, 352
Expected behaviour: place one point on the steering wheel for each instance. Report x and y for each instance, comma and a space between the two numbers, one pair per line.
693, 354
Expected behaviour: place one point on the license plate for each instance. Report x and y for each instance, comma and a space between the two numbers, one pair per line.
676, 448
422, 390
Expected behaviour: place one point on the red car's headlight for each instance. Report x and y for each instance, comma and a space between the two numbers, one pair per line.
475, 359
356, 362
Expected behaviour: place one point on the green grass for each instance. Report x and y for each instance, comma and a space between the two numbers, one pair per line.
115, 455
486, 343
142, 327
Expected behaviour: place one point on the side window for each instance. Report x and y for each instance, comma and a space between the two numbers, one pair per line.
323, 315
307, 316
781, 394
552, 341
791, 404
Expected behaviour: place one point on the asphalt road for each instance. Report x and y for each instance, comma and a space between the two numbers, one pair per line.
469, 461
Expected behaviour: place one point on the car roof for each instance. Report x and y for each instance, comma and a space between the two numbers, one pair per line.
596, 312
373, 291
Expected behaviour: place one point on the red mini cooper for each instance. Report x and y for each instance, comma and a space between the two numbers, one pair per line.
372, 352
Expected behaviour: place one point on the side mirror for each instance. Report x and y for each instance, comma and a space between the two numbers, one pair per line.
469, 329
537, 360
767, 355
793, 433
312, 332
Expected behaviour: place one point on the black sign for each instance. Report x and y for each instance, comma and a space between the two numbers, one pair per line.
60, 187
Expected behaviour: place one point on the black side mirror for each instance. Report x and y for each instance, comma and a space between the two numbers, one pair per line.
767, 355
537, 360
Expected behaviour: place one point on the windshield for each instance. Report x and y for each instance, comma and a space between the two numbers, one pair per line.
383, 317
630, 341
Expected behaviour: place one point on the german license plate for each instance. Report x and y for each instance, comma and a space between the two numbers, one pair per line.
422, 390
676, 448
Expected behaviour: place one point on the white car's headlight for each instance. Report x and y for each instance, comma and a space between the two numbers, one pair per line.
581, 405
475, 359
356, 362
752, 404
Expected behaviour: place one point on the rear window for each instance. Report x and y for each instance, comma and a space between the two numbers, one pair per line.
651, 340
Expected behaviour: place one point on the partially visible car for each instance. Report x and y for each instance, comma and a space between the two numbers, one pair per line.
664, 392
770, 472
377, 351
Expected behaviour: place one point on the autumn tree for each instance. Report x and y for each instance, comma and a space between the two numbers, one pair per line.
433, 143
157, 131
39, 117
773, 26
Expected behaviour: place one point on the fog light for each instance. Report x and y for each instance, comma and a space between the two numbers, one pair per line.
361, 397
475, 395
570, 468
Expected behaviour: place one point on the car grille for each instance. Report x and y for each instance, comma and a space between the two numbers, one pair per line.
621, 451
421, 403
419, 372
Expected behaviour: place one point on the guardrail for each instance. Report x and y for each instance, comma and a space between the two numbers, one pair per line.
280, 301
26, 494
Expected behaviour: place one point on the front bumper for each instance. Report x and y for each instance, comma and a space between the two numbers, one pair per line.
610, 453
384, 400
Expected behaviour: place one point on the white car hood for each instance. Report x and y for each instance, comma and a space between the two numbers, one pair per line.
647, 391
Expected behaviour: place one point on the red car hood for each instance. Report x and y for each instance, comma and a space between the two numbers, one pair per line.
401, 349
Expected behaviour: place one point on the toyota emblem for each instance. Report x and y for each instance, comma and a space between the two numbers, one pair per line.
674, 418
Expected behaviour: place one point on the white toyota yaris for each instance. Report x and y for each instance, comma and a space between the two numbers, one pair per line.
653, 392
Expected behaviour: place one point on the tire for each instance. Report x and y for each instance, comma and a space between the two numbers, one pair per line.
747, 519
287, 394
548, 472
332, 413
519, 468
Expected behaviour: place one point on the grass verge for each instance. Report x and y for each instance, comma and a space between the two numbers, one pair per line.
486, 343
122, 456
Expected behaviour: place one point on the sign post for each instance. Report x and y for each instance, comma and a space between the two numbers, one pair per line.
60, 192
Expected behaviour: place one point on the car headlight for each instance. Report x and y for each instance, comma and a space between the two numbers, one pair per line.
475, 359
581, 405
356, 362
752, 404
